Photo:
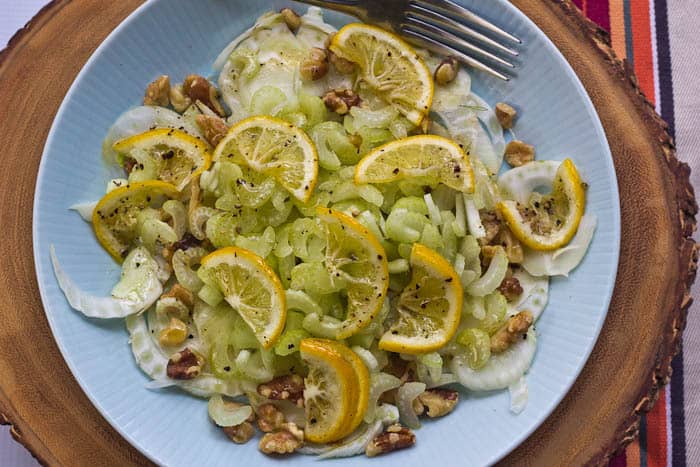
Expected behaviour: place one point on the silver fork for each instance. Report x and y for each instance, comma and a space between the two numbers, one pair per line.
441, 26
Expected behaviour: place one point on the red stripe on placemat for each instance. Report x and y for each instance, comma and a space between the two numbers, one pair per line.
656, 433
598, 11
641, 40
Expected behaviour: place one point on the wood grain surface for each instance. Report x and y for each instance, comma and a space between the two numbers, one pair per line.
52, 417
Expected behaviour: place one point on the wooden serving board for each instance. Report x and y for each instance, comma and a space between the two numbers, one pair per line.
53, 418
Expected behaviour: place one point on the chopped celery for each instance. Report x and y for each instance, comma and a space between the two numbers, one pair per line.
289, 341
431, 237
210, 295
298, 300
221, 229
267, 100
477, 346
412, 204
261, 245
405, 226
398, 266
314, 278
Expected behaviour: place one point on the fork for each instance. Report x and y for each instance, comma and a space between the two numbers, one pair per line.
441, 26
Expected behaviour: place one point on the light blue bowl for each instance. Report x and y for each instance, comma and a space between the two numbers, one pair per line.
177, 37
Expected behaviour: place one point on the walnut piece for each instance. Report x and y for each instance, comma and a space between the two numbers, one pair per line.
198, 88
270, 418
515, 328
178, 99
438, 401
240, 434
519, 153
492, 225
213, 128
393, 438
184, 365
514, 250
291, 18
505, 115
341, 100
315, 66
446, 71
284, 441
158, 92
179, 292
510, 288
287, 387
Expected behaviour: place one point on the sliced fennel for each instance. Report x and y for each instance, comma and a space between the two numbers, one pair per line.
138, 288
501, 370
564, 260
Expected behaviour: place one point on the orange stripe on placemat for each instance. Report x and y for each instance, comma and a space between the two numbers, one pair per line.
632, 454
641, 39
617, 27
657, 449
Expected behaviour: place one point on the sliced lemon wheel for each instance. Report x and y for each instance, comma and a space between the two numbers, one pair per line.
165, 154
548, 222
355, 257
362, 375
428, 158
336, 390
275, 148
251, 287
429, 308
114, 218
389, 66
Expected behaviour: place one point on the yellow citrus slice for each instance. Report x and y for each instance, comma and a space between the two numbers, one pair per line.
275, 148
251, 287
429, 308
355, 257
336, 390
389, 66
548, 222
165, 154
427, 158
362, 375
115, 216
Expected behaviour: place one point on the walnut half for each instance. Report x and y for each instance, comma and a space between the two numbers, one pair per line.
285, 441
184, 365
270, 418
515, 328
393, 438
213, 128
341, 100
287, 387
438, 401
198, 88
158, 92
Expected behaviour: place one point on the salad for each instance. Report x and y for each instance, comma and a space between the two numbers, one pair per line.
320, 243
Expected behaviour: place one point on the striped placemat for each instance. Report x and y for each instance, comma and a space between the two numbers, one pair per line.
639, 31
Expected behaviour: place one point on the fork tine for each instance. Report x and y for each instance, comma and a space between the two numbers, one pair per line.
449, 7
441, 21
429, 43
451, 40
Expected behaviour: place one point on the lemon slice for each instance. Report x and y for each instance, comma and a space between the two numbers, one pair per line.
549, 222
355, 257
251, 287
362, 375
429, 308
334, 390
425, 157
389, 66
114, 218
165, 154
275, 148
